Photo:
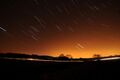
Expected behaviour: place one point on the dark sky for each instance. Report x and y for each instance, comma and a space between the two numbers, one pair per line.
80, 28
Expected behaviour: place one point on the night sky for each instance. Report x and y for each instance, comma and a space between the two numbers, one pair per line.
79, 28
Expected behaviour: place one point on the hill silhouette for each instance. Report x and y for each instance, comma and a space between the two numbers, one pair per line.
20, 55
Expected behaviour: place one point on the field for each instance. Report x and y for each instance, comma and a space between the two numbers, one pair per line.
45, 70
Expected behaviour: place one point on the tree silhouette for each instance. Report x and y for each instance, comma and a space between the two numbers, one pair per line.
63, 57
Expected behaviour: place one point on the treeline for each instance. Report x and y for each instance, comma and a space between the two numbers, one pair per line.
45, 57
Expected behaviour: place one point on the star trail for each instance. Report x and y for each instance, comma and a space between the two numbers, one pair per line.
80, 28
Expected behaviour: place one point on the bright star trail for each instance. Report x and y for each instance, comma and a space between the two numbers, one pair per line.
2, 29
80, 28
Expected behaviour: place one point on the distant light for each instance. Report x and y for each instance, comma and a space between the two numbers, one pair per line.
110, 58
31, 59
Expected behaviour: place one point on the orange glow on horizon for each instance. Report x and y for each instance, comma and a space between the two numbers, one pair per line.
84, 49
84, 53
72, 46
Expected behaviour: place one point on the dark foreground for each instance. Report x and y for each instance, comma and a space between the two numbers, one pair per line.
33, 70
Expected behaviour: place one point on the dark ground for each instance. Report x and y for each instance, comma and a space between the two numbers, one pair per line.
25, 70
